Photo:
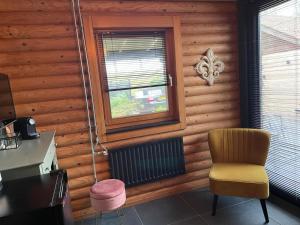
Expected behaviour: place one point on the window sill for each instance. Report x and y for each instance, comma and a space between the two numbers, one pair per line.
142, 130
141, 127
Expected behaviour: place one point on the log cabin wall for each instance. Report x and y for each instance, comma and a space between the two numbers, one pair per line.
38, 51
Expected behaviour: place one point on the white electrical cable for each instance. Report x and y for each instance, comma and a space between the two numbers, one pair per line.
88, 68
105, 150
84, 85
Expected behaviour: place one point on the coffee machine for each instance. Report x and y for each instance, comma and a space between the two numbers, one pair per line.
12, 129
26, 126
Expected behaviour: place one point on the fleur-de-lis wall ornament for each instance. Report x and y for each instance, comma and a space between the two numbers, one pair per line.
210, 67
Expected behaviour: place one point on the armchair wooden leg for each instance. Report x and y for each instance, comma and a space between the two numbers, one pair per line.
215, 201
264, 208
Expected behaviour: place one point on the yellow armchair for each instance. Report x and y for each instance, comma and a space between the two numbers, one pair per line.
239, 156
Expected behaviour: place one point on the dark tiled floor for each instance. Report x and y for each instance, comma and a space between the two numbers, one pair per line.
194, 208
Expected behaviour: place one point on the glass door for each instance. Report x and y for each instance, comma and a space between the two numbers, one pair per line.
280, 93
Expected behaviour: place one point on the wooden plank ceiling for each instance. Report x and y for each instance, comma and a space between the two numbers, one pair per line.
38, 51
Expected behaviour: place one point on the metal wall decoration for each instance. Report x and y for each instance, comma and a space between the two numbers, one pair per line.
210, 67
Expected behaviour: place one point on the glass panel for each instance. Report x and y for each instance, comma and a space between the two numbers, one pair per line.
136, 72
280, 92
137, 102
134, 60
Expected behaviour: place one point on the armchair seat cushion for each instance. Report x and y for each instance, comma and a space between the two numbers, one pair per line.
239, 179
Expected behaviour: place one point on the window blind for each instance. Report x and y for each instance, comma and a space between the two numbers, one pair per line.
267, 4
280, 93
133, 60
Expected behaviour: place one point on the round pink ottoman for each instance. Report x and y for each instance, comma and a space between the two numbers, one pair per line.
108, 195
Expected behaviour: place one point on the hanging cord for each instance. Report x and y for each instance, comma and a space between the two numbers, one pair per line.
104, 149
93, 146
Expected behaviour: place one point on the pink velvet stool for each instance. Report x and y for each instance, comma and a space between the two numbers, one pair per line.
108, 195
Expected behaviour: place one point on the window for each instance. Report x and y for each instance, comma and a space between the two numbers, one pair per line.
136, 78
280, 94
136, 75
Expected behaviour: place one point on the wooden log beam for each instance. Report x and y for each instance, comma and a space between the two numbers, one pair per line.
36, 18
195, 148
216, 88
212, 98
60, 117
217, 29
157, 7
75, 161
66, 152
210, 18
34, 5
39, 70
49, 107
37, 95
86, 170
66, 128
201, 49
46, 82
199, 165
82, 203
72, 139
201, 128
80, 193
197, 156
198, 147
211, 117
86, 181
212, 107
227, 58
24, 58
36, 31
190, 70
196, 81
196, 138
38, 44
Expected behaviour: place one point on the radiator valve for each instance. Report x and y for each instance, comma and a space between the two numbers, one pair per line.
104, 151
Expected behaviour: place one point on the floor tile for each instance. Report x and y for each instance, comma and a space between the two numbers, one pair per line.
194, 208
164, 211
201, 200
283, 212
247, 213
191, 221
130, 218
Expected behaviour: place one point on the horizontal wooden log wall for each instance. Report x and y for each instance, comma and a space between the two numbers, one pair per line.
38, 52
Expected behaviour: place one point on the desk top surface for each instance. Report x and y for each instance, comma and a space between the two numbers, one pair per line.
30, 152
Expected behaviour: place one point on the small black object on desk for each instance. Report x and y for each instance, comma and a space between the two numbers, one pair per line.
36, 200
27, 127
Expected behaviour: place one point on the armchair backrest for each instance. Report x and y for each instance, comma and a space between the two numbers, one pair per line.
239, 145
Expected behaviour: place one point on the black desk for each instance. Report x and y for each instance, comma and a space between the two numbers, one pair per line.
36, 200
